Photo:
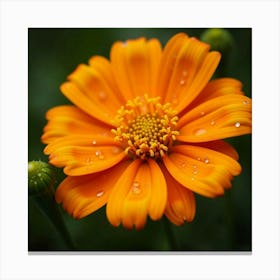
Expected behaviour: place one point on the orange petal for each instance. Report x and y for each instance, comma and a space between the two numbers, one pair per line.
209, 157
216, 88
221, 117
188, 60
76, 140
204, 72
154, 55
89, 104
82, 195
219, 87
168, 61
84, 154
68, 120
186, 67
158, 191
122, 188
201, 170
135, 65
104, 68
96, 87
180, 202
220, 146
141, 190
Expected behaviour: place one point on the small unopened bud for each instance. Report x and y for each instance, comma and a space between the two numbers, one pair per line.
40, 178
220, 39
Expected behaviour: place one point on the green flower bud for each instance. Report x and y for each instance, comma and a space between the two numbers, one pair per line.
40, 178
41, 182
219, 39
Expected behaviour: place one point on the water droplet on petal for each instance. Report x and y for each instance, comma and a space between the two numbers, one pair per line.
102, 95
202, 113
192, 178
185, 73
104, 134
183, 164
245, 102
195, 172
206, 160
212, 122
194, 166
237, 124
94, 142
199, 158
116, 150
200, 131
99, 194
136, 188
88, 160
175, 99
182, 82
99, 154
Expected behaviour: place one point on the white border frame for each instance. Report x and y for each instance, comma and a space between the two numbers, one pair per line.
261, 16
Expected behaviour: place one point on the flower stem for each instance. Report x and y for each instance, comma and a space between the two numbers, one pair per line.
51, 210
41, 182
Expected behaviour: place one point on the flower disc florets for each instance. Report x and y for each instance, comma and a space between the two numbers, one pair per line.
146, 128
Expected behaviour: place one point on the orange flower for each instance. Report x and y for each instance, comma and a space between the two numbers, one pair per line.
145, 132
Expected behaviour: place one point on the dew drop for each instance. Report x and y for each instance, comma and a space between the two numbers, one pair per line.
237, 124
116, 150
102, 95
202, 113
194, 166
192, 178
88, 160
182, 82
199, 158
136, 187
200, 131
183, 164
212, 122
104, 134
99, 194
185, 73
195, 172
94, 142
245, 102
98, 153
206, 160
135, 184
174, 101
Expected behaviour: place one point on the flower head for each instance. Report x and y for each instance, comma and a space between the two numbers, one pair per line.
145, 132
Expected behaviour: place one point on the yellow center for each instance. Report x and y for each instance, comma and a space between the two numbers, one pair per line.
146, 128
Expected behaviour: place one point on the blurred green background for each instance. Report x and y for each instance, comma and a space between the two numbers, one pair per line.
221, 224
